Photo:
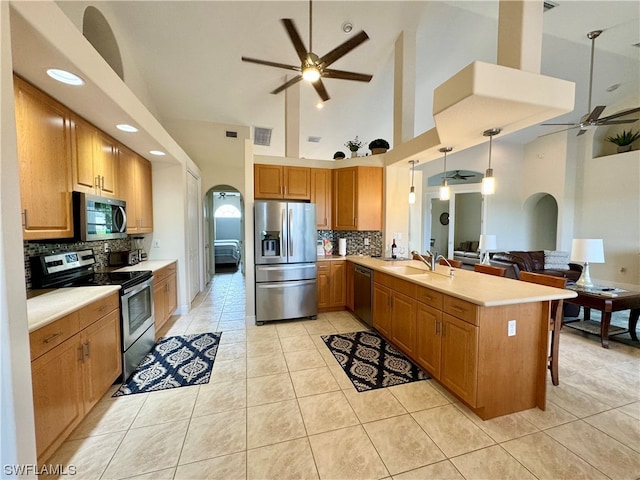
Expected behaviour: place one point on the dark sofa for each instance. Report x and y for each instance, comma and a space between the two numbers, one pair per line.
531, 261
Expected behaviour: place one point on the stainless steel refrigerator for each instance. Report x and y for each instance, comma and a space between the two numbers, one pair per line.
285, 257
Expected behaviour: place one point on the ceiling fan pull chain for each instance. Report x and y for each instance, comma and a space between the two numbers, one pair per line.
310, 27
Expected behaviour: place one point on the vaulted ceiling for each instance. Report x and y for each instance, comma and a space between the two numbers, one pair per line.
183, 59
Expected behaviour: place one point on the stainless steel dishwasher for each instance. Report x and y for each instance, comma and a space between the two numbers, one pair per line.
363, 279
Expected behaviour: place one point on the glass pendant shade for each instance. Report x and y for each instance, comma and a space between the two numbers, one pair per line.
445, 191
412, 195
489, 183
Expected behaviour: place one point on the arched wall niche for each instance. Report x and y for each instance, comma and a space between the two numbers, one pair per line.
97, 30
541, 221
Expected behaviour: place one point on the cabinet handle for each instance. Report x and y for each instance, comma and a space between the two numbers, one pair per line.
24, 212
52, 337
285, 189
355, 221
81, 353
102, 308
457, 309
101, 182
86, 349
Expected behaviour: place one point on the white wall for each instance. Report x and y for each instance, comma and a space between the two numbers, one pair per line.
17, 434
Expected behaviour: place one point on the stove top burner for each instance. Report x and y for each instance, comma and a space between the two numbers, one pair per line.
124, 279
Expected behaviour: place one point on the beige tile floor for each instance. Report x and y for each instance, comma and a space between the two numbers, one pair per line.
279, 406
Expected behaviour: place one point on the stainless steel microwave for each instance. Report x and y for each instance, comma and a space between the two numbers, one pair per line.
99, 218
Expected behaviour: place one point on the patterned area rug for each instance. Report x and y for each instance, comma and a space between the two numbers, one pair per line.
174, 362
371, 362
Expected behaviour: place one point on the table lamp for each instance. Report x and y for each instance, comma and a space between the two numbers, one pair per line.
586, 250
487, 242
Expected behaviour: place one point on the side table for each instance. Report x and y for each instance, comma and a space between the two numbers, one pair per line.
607, 303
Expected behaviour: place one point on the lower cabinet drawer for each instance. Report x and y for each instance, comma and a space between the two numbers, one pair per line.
52, 335
466, 311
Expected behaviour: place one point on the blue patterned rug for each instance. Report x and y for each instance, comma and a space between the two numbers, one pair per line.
371, 362
174, 362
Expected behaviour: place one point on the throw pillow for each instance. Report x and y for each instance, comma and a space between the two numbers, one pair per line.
556, 260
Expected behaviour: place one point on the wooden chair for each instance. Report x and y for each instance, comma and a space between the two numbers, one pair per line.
555, 318
490, 269
454, 263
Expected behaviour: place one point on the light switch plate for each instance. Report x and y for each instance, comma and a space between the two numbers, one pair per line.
511, 328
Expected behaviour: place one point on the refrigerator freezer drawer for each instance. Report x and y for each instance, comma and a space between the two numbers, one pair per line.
286, 272
284, 300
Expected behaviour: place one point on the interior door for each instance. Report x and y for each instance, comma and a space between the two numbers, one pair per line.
193, 237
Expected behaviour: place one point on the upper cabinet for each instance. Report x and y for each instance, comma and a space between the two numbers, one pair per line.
321, 196
134, 187
281, 182
44, 157
357, 198
95, 159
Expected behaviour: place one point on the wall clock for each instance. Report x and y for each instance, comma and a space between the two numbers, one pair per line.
444, 218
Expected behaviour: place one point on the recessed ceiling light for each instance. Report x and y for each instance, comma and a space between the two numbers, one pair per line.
65, 77
158, 153
126, 128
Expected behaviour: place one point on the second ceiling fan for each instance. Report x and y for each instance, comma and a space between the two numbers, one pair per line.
314, 68
592, 118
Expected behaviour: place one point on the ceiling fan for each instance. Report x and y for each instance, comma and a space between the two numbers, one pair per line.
593, 119
314, 68
457, 176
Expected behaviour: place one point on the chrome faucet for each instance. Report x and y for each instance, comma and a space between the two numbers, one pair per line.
431, 265
451, 270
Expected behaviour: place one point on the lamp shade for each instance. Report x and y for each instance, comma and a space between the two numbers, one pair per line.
487, 242
587, 250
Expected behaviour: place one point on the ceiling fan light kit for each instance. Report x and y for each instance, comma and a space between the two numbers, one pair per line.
313, 68
489, 181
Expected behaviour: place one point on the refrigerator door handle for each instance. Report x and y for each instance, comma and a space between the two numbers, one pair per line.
283, 254
295, 283
293, 266
290, 230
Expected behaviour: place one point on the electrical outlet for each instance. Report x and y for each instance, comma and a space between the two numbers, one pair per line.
106, 247
366, 241
511, 329
156, 244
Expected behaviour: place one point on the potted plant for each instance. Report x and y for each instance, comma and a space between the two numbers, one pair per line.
378, 146
338, 155
354, 146
624, 140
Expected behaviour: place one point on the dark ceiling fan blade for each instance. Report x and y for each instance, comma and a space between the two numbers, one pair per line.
319, 86
616, 122
287, 84
343, 49
270, 64
295, 39
582, 132
593, 116
620, 114
341, 74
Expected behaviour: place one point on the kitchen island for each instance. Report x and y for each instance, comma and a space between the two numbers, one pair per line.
484, 338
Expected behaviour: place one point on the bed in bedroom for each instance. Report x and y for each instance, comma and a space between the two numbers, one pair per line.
227, 252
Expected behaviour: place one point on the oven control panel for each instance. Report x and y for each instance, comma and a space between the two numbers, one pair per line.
60, 262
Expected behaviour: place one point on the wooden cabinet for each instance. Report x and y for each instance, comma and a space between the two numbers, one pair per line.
321, 196
459, 357
282, 182
74, 362
357, 198
95, 159
331, 285
428, 338
165, 295
134, 187
44, 158
394, 310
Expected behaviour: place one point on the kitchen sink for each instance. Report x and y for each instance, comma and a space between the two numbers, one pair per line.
404, 270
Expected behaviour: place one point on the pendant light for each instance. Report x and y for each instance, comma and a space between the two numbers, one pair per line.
488, 182
412, 192
445, 192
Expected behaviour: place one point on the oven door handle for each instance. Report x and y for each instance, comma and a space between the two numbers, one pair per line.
129, 292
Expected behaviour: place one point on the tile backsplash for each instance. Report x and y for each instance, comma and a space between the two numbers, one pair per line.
355, 241
32, 249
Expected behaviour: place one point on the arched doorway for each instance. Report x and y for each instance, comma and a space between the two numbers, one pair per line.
224, 232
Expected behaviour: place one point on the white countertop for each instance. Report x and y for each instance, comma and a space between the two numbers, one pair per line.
57, 303
478, 288
49, 307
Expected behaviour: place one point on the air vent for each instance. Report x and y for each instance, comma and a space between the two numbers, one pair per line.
231, 134
636, 45
549, 5
314, 139
262, 136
